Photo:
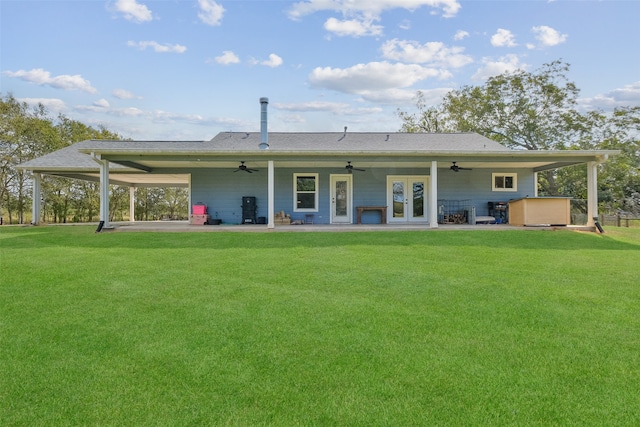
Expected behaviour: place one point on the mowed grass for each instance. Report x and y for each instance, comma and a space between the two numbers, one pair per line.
340, 329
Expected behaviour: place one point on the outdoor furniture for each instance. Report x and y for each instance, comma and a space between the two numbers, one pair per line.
381, 209
308, 219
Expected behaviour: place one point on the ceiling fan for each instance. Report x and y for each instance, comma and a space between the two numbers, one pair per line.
350, 168
244, 168
457, 168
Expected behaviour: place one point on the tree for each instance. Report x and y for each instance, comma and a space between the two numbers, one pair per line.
521, 110
538, 111
25, 133
29, 132
428, 119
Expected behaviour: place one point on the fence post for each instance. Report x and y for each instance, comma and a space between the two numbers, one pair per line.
618, 220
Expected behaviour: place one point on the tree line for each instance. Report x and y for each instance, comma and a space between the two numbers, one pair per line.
539, 111
29, 132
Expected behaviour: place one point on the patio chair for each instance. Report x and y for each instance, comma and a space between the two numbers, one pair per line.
308, 219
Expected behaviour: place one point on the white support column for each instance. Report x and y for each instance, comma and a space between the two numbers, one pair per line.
433, 195
271, 194
132, 204
37, 196
592, 193
535, 184
190, 203
104, 192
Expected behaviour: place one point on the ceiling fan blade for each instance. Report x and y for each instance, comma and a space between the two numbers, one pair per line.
350, 168
454, 167
244, 168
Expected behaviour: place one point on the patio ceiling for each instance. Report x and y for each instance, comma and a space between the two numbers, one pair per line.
536, 161
156, 171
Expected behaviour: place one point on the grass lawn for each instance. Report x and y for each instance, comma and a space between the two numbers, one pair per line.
341, 329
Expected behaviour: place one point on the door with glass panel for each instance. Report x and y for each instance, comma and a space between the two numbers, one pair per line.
341, 199
407, 199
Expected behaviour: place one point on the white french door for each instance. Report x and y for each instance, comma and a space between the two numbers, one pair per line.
341, 199
407, 198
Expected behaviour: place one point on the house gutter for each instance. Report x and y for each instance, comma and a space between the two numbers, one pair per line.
600, 155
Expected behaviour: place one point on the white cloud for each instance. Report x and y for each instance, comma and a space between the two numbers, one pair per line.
157, 47
627, 96
43, 78
366, 79
627, 93
460, 35
359, 15
273, 61
369, 8
433, 96
133, 11
52, 104
117, 112
547, 36
123, 94
210, 12
405, 25
508, 63
313, 106
102, 103
352, 27
337, 108
503, 38
392, 97
434, 53
227, 57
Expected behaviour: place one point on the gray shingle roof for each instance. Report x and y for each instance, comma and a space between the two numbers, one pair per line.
361, 141
68, 158
329, 142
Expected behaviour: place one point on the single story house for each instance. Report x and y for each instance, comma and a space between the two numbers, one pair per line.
326, 178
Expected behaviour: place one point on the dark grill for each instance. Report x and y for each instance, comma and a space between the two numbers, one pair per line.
249, 208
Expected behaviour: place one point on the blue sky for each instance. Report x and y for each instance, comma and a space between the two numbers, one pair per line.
188, 69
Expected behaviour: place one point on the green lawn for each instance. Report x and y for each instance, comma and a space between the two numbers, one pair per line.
341, 329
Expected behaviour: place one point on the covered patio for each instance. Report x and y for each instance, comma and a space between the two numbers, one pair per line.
175, 164
186, 227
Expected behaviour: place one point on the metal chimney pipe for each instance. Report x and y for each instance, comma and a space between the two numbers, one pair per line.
264, 136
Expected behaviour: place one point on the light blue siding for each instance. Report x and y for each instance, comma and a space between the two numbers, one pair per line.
222, 190
476, 186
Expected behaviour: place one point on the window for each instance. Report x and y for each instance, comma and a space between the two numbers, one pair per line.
305, 192
505, 181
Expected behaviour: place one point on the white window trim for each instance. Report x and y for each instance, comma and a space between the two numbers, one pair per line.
514, 176
295, 192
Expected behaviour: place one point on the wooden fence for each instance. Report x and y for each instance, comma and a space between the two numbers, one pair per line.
620, 221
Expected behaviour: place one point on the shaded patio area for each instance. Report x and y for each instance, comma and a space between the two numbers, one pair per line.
184, 226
